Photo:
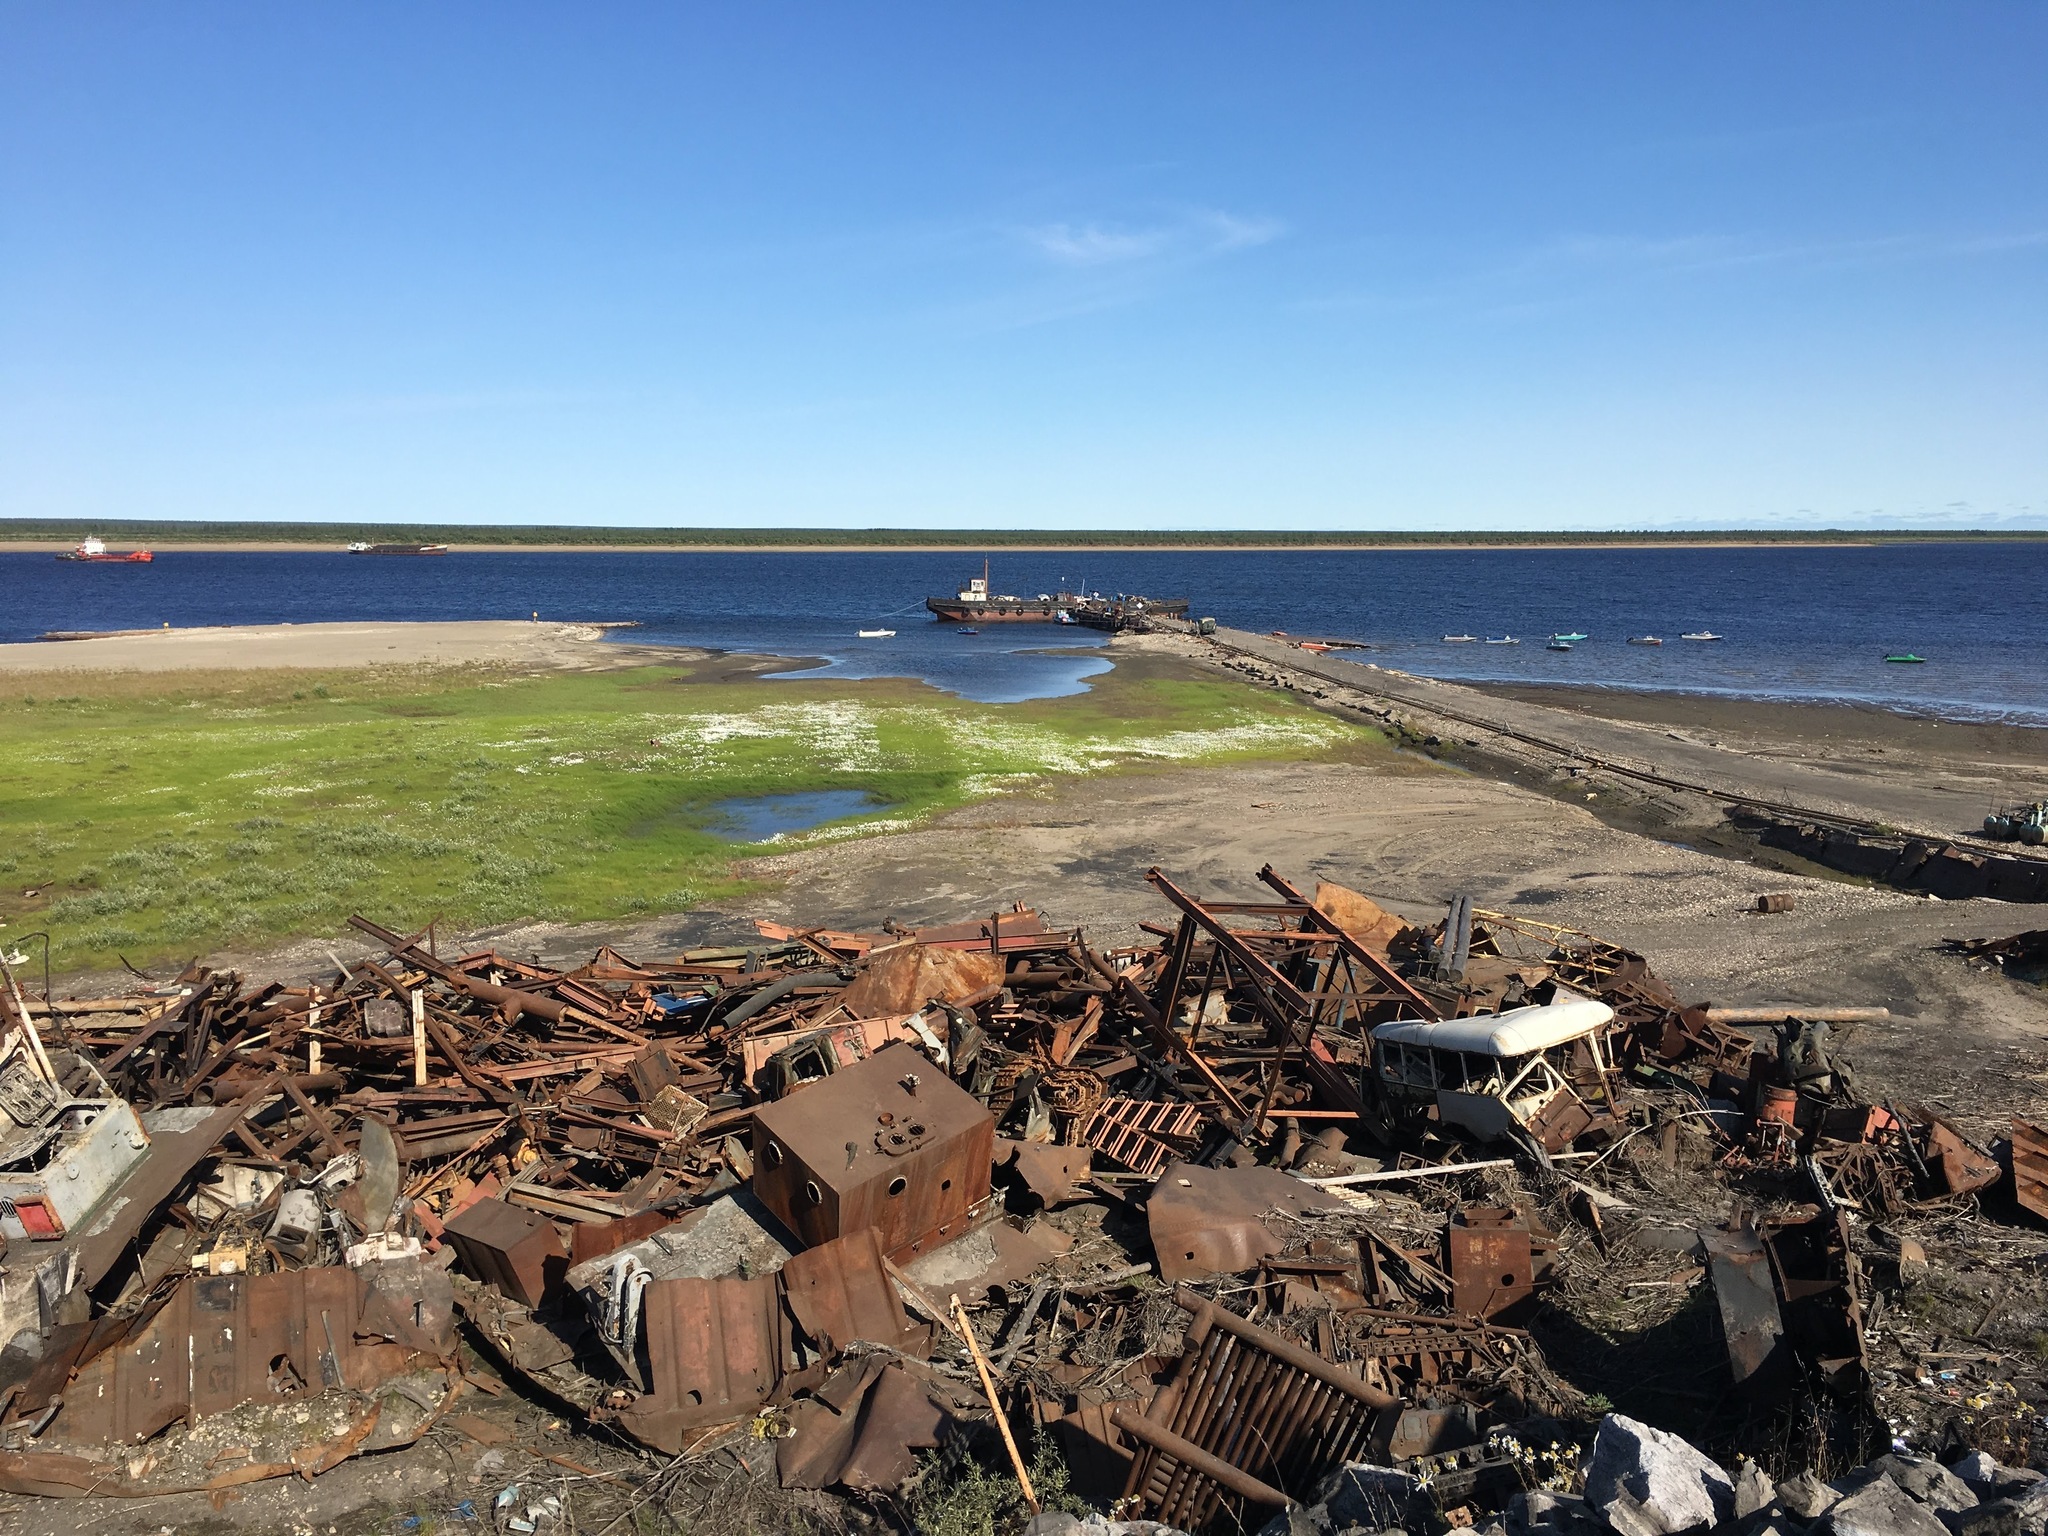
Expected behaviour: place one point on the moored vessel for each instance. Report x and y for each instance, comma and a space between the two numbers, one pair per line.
93, 551
398, 549
976, 604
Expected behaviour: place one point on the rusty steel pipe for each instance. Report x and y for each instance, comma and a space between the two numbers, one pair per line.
1254, 1431
1239, 1379
1191, 1455
1189, 1410
511, 1000
1284, 1349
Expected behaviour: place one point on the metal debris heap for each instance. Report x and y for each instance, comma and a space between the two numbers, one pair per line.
1221, 1212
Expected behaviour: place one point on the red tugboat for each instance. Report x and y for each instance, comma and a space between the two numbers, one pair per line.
93, 550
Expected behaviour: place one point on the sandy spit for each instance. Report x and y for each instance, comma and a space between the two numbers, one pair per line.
579, 647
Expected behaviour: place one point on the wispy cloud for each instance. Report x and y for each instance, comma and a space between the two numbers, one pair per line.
1195, 235
1091, 245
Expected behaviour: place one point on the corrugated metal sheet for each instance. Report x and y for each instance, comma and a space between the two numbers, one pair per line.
224, 1340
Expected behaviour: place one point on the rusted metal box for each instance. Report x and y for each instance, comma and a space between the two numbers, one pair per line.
890, 1143
518, 1251
1498, 1262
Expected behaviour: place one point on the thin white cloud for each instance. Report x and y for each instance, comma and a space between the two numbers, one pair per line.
1193, 236
1230, 233
1091, 245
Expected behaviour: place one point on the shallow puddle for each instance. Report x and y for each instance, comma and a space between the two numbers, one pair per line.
756, 818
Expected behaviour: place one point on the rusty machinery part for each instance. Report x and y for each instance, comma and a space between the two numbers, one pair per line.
896, 1137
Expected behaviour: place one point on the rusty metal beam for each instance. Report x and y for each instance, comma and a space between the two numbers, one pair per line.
1360, 955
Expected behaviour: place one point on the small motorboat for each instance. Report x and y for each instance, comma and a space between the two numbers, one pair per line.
876, 634
1644, 640
1907, 658
966, 631
1502, 640
1459, 639
1558, 645
1700, 634
1568, 639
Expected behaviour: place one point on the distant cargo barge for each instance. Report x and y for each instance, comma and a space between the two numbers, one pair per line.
975, 604
398, 549
96, 553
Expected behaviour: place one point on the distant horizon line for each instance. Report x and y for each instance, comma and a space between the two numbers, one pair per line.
318, 534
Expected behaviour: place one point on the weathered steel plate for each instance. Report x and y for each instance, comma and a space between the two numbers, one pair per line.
1748, 1298
839, 1293
1492, 1256
862, 1430
714, 1350
1211, 1221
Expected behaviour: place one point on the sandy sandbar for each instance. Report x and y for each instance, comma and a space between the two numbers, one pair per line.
576, 647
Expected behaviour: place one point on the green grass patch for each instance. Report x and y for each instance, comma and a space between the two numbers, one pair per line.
157, 816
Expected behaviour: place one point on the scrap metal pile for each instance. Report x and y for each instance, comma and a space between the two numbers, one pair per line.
863, 1192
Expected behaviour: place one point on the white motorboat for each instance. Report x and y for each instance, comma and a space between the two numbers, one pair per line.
876, 634
1502, 640
1703, 634
1459, 639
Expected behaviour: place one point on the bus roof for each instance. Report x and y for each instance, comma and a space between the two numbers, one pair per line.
1517, 1032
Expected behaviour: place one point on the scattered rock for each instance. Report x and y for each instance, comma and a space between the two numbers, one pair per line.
1928, 1481
1988, 1480
1882, 1508
2020, 1514
1754, 1489
1805, 1497
1376, 1498
1056, 1522
1977, 1469
1650, 1482
2001, 1517
1539, 1512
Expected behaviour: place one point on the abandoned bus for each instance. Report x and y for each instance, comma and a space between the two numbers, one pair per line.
1496, 1076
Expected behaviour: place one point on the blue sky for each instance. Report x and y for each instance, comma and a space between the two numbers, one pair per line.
1060, 265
